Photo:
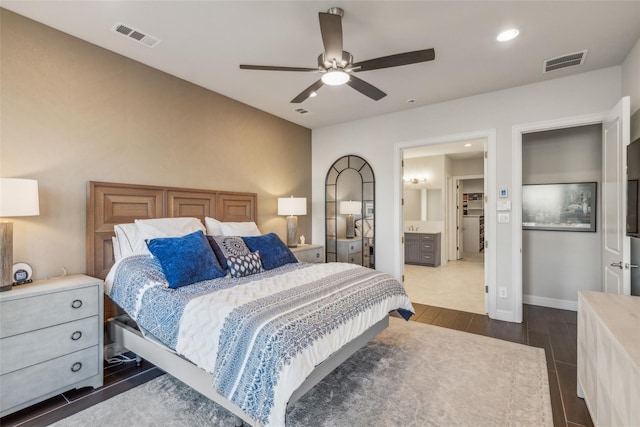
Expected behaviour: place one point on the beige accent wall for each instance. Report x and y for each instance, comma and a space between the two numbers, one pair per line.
72, 112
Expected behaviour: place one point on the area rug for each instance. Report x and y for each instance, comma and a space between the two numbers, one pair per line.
411, 374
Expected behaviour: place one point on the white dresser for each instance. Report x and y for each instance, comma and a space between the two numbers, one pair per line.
309, 253
51, 336
609, 357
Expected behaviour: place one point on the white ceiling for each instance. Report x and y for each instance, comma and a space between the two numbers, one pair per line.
205, 41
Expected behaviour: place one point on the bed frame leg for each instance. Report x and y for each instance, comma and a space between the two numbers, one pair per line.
237, 421
138, 361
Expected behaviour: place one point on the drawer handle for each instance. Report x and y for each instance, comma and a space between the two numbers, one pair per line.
76, 335
76, 367
318, 255
76, 303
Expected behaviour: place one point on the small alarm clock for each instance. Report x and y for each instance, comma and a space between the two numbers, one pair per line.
22, 273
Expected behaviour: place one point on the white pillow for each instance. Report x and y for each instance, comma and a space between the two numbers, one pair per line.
239, 229
117, 252
129, 240
167, 227
213, 226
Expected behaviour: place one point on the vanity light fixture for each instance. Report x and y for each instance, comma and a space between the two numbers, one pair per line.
507, 35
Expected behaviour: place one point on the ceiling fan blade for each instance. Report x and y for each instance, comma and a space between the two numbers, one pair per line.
307, 92
331, 29
365, 88
396, 60
275, 68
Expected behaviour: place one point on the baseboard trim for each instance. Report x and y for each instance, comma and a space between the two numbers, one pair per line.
504, 315
550, 302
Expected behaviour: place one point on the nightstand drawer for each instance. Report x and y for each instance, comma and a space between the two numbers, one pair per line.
355, 258
27, 314
48, 343
314, 254
37, 380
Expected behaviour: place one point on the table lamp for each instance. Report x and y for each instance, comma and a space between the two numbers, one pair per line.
18, 197
292, 206
350, 208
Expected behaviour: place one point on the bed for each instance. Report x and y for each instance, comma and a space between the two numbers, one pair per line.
268, 336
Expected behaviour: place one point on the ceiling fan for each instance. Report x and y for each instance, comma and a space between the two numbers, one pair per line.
337, 65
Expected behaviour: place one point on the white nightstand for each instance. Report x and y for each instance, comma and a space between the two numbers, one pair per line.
309, 253
350, 250
51, 336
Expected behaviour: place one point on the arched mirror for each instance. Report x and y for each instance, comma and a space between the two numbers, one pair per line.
349, 212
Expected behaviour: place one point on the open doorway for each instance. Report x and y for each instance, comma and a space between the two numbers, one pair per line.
443, 224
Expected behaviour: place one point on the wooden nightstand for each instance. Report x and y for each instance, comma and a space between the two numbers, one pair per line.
51, 336
309, 253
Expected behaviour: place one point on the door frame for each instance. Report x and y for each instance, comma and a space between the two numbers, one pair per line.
490, 264
516, 192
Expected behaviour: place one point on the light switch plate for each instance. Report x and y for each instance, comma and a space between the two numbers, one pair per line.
503, 218
504, 205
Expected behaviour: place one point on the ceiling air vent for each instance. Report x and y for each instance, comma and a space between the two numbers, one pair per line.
303, 112
137, 35
564, 61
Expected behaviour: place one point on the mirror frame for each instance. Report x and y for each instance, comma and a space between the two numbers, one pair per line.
367, 187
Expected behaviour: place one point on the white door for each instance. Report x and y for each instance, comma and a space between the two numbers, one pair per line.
615, 244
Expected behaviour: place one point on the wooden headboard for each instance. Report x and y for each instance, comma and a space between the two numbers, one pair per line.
109, 204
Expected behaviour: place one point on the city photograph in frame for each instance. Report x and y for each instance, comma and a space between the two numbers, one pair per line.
559, 207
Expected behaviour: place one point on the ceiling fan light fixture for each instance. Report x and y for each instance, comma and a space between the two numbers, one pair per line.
507, 35
335, 77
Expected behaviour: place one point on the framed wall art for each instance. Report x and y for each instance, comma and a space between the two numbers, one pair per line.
559, 207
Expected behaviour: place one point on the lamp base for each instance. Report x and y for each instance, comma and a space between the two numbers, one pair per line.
6, 256
350, 227
292, 231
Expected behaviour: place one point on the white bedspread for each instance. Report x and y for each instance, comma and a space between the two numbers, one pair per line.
261, 337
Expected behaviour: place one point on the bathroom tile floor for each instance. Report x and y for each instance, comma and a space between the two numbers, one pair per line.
458, 285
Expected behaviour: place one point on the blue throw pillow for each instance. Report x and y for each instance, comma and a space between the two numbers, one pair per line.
186, 260
273, 251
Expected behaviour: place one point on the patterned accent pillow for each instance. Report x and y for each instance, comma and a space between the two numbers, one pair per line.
226, 246
244, 265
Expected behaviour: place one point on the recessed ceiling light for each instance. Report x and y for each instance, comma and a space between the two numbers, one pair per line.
313, 95
507, 35
467, 145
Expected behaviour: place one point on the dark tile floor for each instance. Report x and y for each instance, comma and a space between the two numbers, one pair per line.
551, 329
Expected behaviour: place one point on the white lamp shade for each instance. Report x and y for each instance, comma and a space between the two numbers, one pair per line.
292, 206
350, 208
19, 197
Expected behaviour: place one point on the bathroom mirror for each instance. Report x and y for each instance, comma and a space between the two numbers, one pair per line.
350, 212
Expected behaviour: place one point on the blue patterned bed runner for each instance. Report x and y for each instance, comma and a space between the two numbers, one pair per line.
260, 337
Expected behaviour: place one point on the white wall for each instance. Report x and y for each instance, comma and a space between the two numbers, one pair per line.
375, 139
558, 264
473, 185
631, 77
